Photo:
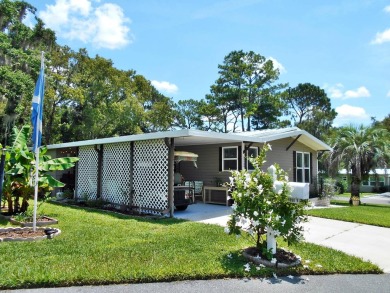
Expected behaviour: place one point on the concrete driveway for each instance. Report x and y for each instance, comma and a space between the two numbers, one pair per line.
365, 241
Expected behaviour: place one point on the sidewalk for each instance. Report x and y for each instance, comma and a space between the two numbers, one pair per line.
368, 242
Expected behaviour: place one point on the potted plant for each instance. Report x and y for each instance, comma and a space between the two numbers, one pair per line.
355, 200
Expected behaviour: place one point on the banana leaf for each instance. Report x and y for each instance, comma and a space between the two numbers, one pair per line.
58, 164
51, 181
18, 138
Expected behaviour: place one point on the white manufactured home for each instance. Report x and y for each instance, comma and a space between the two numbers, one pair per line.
139, 170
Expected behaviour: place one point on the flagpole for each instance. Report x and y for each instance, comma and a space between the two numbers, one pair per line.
37, 145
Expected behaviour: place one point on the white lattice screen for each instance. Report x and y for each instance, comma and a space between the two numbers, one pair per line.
116, 177
87, 172
150, 177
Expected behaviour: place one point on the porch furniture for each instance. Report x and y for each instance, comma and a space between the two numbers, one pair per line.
197, 187
213, 194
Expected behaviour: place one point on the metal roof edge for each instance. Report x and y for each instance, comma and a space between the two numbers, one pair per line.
126, 138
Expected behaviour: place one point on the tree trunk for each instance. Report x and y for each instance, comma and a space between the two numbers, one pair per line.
10, 205
24, 206
355, 187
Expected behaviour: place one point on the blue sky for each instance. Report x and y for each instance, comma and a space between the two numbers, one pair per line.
342, 46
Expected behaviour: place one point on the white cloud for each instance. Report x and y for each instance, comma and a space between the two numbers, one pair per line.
361, 92
337, 92
387, 8
348, 114
104, 26
388, 94
278, 65
382, 37
165, 86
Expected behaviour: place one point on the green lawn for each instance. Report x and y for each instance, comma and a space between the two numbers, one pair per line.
370, 214
348, 194
97, 247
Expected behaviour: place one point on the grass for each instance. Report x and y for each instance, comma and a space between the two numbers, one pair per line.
370, 214
348, 194
97, 247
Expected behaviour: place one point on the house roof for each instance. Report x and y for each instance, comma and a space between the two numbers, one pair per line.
372, 172
185, 137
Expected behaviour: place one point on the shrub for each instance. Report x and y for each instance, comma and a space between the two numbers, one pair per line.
259, 206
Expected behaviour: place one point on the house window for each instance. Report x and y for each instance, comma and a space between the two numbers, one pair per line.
371, 181
252, 152
302, 167
229, 158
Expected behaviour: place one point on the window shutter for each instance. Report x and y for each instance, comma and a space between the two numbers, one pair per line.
220, 159
239, 158
294, 166
311, 168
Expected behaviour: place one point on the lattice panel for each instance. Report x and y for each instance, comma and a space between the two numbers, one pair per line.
116, 178
87, 172
151, 174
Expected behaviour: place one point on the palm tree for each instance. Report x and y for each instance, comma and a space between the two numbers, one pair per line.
359, 149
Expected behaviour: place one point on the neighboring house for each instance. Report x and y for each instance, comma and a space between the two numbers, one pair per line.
377, 180
138, 170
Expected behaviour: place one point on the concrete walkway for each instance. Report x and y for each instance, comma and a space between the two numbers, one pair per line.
368, 242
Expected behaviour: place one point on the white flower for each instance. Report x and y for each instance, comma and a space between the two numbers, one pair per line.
227, 230
277, 217
286, 178
229, 256
305, 266
239, 195
258, 268
275, 276
234, 206
255, 179
247, 267
255, 223
307, 261
255, 213
273, 260
283, 222
290, 277
318, 266
231, 181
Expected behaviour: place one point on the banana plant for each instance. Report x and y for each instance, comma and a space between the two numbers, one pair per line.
20, 169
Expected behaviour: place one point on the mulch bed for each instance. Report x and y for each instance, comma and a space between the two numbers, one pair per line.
283, 258
22, 234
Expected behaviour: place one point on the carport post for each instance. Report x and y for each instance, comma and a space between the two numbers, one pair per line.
171, 157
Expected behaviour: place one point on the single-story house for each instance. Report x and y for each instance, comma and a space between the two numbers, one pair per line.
138, 170
376, 181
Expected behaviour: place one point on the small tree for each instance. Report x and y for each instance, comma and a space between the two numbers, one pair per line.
260, 206
20, 170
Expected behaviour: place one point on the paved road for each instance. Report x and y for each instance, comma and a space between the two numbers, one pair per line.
329, 284
383, 198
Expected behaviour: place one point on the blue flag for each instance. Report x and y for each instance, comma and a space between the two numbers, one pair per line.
37, 109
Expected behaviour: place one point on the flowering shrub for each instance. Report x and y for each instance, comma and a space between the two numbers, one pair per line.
259, 205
